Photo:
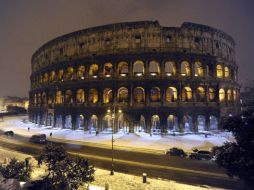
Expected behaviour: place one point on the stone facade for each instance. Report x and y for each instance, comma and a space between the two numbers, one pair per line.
157, 79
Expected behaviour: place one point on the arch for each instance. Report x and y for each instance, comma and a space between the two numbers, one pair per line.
68, 122
107, 69
107, 95
154, 68
122, 68
155, 124
229, 95
80, 96
219, 71
45, 77
138, 68
187, 94
226, 72
201, 122
52, 76
107, 123
122, 94
39, 98
93, 96
93, 124
50, 119
170, 68
59, 97
198, 69
213, 123
171, 94
139, 95
69, 73
172, 123
221, 95
60, 75
142, 124
68, 97
234, 95
81, 72
93, 70
211, 94
187, 123
155, 94
59, 121
185, 68
80, 122
200, 94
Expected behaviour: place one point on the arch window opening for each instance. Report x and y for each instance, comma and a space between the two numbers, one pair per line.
108, 69
80, 96
154, 68
45, 77
122, 95
234, 95
93, 124
141, 127
68, 122
138, 68
170, 68
172, 124
222, 95
81, 72
60, 75
50, 119
155, 95
69, 73
185, 69
68, 97
59, 97
229, 95
219, 71
201, 122
80, 122
94, 70
139, 95
107, 96
198, 69
52, 76
107, 123
186, 94
187, 124
211, 94
226, 72
155, 121
123, 69
213, 123
93, 96
171, 94
59, 121
200, 94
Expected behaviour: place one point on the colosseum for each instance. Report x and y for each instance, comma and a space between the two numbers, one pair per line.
135, 77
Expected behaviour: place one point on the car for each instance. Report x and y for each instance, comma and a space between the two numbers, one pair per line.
9, 133
176, 152
201, 155
38, 138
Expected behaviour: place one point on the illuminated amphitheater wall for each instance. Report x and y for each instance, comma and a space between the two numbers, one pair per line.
158, 79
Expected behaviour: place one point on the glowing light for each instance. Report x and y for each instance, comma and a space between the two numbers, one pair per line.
120, 111
94, 76
183, 74
82, 78
153, 74
123, 74
108, 75
169, 74
139, 74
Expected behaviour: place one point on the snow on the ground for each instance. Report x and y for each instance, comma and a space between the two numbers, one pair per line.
118, 181
20, 125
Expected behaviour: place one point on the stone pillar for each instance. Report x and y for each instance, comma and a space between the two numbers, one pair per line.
73, 121
207, 121
63, 121
146, 65
54, 120
194, 123
130, 69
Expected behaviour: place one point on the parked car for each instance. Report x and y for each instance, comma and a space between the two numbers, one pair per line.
201, 155
9, 133
38, 138
176, 152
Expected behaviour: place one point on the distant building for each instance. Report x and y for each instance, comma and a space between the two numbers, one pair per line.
9, 101
247, 96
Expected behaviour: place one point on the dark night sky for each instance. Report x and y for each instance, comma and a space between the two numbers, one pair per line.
26, 25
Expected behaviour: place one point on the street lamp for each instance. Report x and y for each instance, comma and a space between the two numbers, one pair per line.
112, 139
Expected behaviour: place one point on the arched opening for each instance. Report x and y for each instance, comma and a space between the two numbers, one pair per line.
141, 125
171, 94
80, 122
211, 94
39, 98
155, 121
185, 68
93, 96
198, 69
201, 123
187, 123
122, 68
68, 122
155, 94
200, 94
122, 94
50, 119
44, 98
68, 97
139, 95
59, 121
52, 76
80, 96
60, 75
59, 97
107, 123
170, 68
138, 68
93, 124
172, 123
219, 71
186, 94
94, 70
213, 123
234, 95
229, 95
154, 68
69, 73
43, 119
107, 95
45, 77
226, 72
222, 95
81, 72
107, 69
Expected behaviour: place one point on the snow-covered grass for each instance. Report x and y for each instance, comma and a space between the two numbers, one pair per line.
137, 141
119, 181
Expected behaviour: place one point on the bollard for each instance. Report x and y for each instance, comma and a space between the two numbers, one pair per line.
144, 177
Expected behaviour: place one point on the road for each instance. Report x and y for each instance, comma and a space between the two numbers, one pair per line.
136, 162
